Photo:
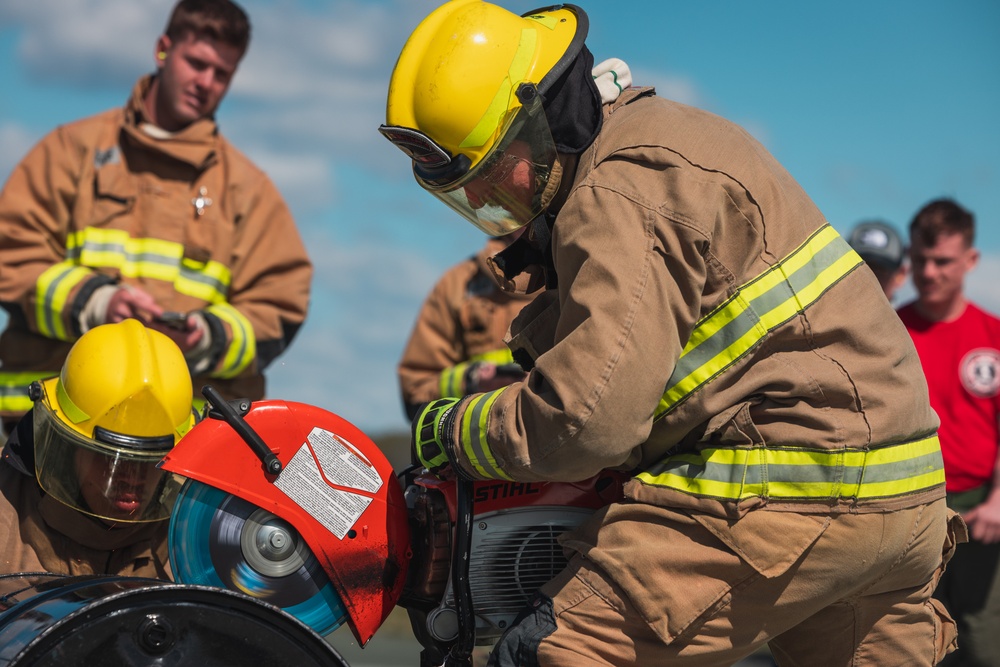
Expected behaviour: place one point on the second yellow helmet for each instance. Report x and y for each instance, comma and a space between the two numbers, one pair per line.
126, 379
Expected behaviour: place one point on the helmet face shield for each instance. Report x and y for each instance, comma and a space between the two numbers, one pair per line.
103, 479
513, 183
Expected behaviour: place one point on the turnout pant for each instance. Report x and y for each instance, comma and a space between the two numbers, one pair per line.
856, 594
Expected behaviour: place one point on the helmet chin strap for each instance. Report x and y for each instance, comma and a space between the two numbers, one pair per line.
526, 264
539, 235
552, 185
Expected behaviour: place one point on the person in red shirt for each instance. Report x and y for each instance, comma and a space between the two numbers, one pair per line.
959, 348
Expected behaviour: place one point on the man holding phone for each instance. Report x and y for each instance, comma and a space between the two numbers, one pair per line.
148, 212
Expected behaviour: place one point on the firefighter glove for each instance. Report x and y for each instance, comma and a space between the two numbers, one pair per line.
432, 433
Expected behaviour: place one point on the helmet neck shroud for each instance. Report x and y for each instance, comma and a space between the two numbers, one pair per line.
570, 97
573, 107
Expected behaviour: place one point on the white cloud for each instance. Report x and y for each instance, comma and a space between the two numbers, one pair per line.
297, 50
16, 142
87, 43
304, 180
671, 86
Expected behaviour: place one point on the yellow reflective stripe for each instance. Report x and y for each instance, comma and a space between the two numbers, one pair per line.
206, 281
149, 258
23, 379
495, 357
451, 383
51, 292
16, 402
795, 473
475, 421
66, 404
500, 104
14, 389
756, 309
242, 348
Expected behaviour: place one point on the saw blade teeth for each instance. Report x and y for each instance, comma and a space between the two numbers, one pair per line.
217, 539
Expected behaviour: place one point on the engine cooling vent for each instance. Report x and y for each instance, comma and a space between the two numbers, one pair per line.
514, 554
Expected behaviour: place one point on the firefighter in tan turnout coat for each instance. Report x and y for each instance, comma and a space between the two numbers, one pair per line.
703, 328
145, 210
80, 490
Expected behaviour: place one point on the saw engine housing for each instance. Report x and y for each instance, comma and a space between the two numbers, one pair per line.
514, 549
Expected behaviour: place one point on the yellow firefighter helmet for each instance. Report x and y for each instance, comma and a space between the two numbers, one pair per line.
469, 84
122, 400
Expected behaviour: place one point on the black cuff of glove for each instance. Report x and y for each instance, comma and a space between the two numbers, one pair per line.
470, 379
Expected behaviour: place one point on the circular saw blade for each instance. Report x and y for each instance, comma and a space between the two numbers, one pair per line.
217, 539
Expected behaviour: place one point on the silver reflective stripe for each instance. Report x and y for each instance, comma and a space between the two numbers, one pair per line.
473, 435
149, 258
756, 309
805, 474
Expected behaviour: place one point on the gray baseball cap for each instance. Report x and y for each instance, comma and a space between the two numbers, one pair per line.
878, 243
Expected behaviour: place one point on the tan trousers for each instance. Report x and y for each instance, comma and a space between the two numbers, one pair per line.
859, 595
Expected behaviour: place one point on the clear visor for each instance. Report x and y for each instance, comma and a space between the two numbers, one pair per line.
514, 183
106, 481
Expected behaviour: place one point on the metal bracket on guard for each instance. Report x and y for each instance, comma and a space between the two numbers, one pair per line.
232, 413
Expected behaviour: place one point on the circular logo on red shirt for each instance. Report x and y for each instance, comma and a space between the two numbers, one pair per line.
980, 372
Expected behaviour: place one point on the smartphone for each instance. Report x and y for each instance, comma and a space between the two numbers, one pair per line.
172, 319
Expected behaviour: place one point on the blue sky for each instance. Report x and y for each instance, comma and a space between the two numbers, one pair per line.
875, 107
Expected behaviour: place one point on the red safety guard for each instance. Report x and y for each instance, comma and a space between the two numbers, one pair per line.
336, 488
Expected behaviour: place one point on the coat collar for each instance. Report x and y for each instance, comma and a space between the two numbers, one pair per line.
196, 144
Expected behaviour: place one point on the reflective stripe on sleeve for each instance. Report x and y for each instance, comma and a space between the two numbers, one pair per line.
803, 474
14, 389
451, 382
473, 433
756, 309
149, 258
242, 348
496, 357
52, 290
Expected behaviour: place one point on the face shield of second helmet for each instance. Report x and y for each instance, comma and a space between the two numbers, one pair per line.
112, 477
513, 183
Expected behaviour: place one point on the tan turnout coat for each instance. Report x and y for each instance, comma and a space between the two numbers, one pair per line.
43, 535
187, 217
715, 337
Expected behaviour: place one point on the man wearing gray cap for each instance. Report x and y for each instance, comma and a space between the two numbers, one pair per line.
880, 245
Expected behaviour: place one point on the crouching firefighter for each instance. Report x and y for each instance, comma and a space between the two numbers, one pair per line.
705, 329
81, 491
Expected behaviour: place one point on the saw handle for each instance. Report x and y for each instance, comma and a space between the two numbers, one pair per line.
460, 654
223, 409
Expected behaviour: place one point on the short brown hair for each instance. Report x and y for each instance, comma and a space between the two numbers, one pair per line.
221, 20
942, 216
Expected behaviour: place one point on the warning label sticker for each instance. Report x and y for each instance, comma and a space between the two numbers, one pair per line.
343, 465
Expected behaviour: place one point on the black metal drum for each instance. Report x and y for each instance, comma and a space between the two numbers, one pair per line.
50, 620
